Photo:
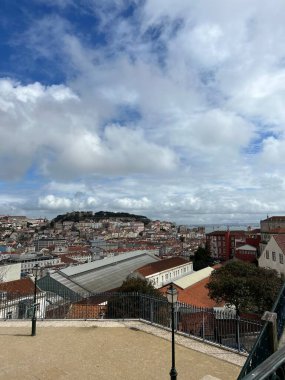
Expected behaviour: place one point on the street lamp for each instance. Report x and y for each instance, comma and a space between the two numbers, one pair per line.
172, 299
34, 318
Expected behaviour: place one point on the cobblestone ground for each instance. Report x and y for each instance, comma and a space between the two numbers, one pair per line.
98, 350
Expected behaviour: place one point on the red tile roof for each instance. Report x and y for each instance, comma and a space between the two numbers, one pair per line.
161, 265
277, 230
65, 258
280, 240
23, 287
217, 233
196, 295
275, 218
78, 248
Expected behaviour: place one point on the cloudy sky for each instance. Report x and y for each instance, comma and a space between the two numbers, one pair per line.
170, 109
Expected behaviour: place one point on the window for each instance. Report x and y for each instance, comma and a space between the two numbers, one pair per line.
281, 258
273, 256
267, 254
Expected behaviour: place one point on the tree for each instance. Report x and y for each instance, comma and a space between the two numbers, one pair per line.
135, 299
247, 287
201, 259
139, 285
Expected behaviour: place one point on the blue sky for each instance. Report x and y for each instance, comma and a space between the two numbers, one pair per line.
174, 110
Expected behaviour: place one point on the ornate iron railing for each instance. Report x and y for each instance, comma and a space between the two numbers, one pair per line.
262, 349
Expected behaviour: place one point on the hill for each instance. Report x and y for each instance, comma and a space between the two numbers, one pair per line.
80, 216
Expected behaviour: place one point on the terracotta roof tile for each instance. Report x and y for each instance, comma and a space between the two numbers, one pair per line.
196, 295
161, 265
275, 218
23, 287
280, 240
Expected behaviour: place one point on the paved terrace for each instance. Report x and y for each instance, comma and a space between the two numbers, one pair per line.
107, 350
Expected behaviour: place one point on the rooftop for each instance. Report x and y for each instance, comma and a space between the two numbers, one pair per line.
101, 275
88, 350
162, 265
21, 287
194, 277
280, 240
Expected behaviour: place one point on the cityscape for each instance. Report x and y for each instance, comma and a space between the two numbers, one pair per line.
142, 209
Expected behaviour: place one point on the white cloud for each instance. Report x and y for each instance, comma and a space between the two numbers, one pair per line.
134, 204
180, 113
52, 202
54, 127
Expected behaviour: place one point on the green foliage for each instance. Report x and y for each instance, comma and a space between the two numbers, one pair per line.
131, 303
201, 259
247, 287
139, 285
78, 216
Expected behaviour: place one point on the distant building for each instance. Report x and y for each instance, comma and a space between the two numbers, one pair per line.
274, 225
273, 255
29, 260
218, 245
222, 245
247, 253
48, 242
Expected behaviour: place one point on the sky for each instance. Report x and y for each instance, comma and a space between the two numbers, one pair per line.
169, 109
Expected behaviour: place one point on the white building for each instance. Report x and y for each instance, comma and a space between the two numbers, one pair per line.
273, 255
165, 271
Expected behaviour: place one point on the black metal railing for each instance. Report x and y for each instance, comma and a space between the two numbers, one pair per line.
220, 327
273, 368
262, 348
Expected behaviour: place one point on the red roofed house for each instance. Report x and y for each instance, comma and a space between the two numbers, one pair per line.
273, 255
246, 253
196, 294
17, 297
165, 271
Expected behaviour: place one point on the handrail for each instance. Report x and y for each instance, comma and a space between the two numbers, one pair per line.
261, 350
272, 368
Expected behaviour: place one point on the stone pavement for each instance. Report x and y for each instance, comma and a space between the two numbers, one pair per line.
87, 350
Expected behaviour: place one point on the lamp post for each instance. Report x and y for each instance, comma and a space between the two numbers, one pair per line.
34, 318
172, 299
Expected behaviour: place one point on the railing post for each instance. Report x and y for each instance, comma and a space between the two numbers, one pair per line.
151, 310
203, 331
271, 318
238, 332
